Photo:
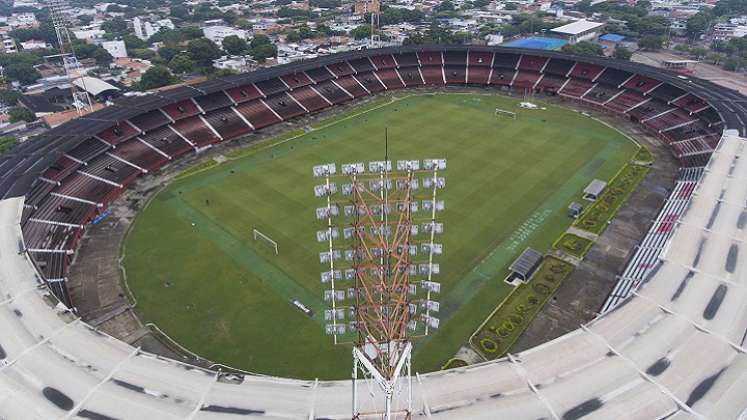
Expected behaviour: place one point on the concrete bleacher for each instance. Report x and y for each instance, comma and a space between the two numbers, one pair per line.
672, 349
611, 368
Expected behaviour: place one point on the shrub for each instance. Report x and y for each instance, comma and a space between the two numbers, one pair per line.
541, 289
488, 345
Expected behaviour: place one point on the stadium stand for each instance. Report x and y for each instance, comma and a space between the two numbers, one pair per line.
139, 154
411, 76
478, 75
601, 93
455, 58
614, 77
182, 109
296, 80
647, 253
320, 74
406, 59
532, 63
244, 93
585, 71
455, 74
642, 84
502, 77
525, 80
480, 59
551, 83
309, 98
351, 86
691, 103
167, 141
88, 149
195, 130
625, 101
576, 88
671, 348
333, 93
385, 61
559, 67
118, 133
362, 65
370, 81
228, 123
213, 101
258, 114
667, 93
430, 58
271, 87
433, 75
285, 106
390, 78
340, 69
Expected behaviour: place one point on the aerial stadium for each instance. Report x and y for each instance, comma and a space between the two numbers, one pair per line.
161, 258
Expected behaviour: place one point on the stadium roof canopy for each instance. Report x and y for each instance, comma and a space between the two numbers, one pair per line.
93, 85
576, 28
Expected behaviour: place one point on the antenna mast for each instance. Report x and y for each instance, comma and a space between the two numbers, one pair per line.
60, 13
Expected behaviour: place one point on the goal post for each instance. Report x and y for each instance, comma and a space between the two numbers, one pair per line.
506, 113
257, 234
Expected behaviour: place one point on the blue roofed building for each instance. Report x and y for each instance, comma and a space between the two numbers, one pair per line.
537, 43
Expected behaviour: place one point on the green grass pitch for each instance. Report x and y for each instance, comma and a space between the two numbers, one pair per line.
196, 272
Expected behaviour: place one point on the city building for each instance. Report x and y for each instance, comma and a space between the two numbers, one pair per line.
727, 31
218, 33
116, 49
582, 30
145, 28
34, 44
9, 45
361, 7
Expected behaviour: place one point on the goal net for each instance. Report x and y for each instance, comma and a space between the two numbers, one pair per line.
266, 239
505, 113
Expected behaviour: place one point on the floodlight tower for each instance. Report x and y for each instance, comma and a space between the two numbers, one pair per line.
382, 254
60, 14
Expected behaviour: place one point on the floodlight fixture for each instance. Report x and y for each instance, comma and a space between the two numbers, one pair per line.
379, 268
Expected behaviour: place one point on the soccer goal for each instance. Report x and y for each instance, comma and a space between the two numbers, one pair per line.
505, 113
260, 235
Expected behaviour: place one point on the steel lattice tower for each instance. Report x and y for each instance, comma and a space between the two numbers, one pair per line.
60, 14
386, 248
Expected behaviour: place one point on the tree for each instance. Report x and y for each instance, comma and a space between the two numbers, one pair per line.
7, 143
181, 64
445, 6
203, 51
102, 56
142, 53
293, 36
583, 48
263, 52
18, 113
698, 23
23, 73
132, 42
156, 77
305, 31
259, 39
180, 11
234, 45
622, 53
699, 52
116, 26
733, 63
167, 52
9, 97
651, 42
244, 24
361, 32
85, 19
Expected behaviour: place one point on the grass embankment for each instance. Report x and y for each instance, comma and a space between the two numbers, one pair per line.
597, 216
573, 245
501, 330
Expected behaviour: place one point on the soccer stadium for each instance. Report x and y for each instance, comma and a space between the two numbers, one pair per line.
160, 258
